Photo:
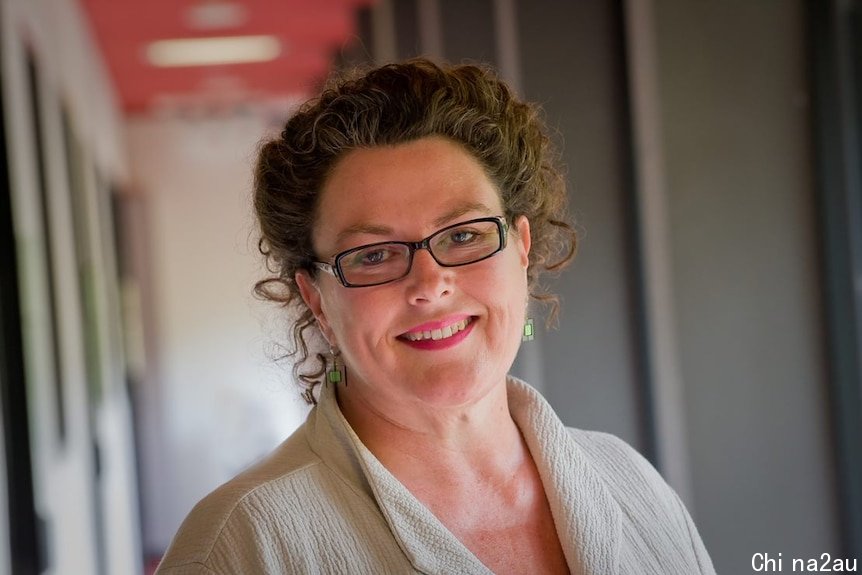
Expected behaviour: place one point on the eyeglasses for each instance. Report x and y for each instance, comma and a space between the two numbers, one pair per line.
456, 245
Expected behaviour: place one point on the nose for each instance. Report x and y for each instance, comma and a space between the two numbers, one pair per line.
427, 281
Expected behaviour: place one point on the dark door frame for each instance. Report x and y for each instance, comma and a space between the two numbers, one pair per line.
836, 85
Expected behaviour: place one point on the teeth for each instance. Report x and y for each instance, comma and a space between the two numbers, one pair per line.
437, 334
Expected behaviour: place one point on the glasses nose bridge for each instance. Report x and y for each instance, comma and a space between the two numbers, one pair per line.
421, 245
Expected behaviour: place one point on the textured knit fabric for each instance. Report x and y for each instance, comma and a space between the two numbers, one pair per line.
322, 503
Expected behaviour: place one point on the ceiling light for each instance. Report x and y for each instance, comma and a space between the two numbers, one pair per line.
213, 51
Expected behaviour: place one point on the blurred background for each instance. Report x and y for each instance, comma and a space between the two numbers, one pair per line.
713, 317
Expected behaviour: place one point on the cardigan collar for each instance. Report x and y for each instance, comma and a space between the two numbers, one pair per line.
586, 517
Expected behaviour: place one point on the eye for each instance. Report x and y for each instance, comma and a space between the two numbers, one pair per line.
462, 236
372, 256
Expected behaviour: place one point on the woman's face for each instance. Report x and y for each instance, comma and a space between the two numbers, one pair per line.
406, 193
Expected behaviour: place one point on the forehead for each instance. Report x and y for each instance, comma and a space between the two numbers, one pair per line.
405, 189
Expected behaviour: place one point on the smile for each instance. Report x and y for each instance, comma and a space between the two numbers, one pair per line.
439, 333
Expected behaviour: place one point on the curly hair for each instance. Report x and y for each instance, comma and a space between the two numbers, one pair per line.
394, 104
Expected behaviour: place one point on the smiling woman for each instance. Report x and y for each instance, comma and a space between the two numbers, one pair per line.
408, 214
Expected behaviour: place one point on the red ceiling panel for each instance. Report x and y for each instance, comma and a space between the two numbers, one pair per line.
310, 33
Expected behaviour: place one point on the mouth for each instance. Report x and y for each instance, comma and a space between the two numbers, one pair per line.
438, 333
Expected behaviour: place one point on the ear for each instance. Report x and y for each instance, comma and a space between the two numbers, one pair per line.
522, 228
311, 296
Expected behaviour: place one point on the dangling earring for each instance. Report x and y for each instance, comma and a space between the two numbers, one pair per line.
337, 372
529, 333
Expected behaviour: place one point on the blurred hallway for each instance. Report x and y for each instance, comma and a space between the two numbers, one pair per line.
712, 319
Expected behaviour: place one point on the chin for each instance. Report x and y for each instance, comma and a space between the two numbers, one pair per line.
454, 388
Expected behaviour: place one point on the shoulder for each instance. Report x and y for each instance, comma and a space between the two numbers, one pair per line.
220, 524
632, 481
651, 507
610, 453
623, 470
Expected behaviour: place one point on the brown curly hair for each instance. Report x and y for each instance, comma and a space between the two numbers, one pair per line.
389, 105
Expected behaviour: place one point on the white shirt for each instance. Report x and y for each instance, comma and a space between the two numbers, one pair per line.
322, 503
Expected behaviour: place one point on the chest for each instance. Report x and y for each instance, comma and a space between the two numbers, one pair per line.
529, 547
509, 530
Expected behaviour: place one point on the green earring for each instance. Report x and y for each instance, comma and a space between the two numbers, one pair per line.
336, 373
529, 332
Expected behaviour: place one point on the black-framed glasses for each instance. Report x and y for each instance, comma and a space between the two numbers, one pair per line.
456, 245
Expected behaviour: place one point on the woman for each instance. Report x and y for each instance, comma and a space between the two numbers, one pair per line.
407, 215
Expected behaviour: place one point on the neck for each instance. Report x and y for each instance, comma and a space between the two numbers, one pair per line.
415, 441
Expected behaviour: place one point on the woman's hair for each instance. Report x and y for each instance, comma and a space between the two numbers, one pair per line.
386, 106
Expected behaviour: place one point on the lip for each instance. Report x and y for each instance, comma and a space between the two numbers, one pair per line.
445, 343
438, 324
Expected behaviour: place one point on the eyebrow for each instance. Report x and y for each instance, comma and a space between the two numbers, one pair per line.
379, 230
462, 209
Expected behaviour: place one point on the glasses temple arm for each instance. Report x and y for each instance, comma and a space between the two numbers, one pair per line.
325, 267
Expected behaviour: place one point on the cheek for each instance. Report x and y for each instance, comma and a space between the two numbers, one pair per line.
513, 276
354, 315
504, 290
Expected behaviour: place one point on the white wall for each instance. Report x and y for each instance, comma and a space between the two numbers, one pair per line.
216, 401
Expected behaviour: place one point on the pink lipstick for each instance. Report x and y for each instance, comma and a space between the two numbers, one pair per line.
440, 334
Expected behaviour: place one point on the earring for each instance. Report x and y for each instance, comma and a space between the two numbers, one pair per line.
529, 333
337, 372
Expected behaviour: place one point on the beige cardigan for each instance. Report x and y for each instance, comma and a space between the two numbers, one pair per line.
322, 503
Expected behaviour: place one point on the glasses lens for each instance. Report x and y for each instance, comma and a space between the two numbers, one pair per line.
466, 243
375, 264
